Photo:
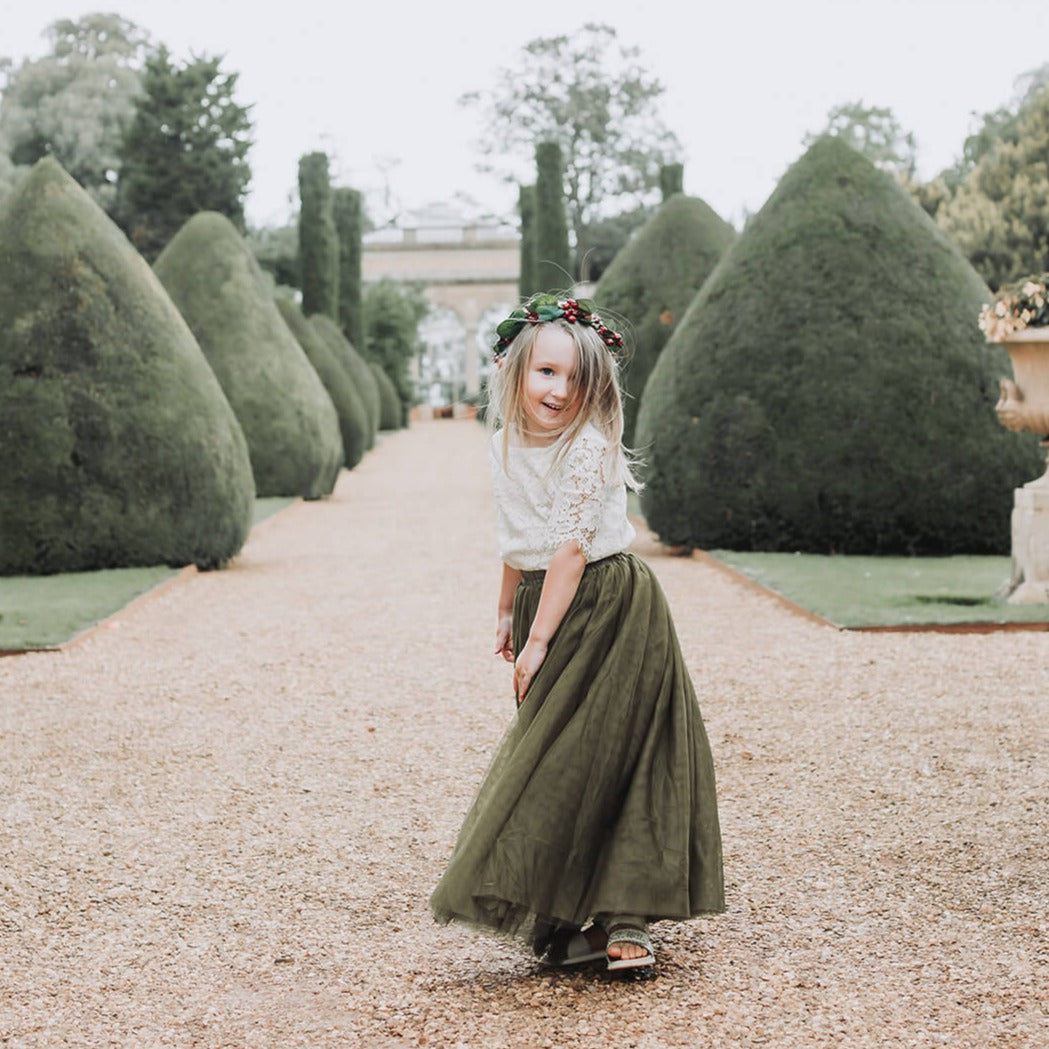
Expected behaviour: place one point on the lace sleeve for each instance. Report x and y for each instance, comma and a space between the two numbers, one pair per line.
579, 501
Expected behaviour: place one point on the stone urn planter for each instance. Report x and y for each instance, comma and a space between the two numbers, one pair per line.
1023, 404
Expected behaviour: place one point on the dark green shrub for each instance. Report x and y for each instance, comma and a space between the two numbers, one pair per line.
392, 313
356, 367
671, 180
391, 409
348, 216
117, 445
553, 257
526, 285
286, 414
828, 389
318, 240
653, 279
353, 416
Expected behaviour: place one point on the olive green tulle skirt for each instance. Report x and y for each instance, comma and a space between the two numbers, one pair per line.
601, 797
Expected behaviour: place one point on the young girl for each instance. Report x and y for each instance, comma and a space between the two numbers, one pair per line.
598, 814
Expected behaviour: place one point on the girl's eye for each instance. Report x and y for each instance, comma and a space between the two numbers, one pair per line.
546, 371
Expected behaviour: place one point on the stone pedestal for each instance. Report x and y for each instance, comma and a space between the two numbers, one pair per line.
1030, 528
1023, 404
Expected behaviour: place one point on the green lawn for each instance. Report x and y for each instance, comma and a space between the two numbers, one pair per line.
888, 591
47, 611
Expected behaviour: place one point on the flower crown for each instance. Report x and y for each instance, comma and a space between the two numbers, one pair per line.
546, 307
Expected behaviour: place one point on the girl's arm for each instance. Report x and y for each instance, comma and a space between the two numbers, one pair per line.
504, 643
559, 588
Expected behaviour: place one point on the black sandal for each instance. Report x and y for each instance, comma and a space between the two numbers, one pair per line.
570, 947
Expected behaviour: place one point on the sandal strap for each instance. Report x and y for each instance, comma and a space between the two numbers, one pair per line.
630, 934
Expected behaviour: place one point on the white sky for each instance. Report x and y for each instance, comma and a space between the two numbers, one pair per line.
375, 83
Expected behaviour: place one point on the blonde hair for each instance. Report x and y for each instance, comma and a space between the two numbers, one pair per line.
594, 380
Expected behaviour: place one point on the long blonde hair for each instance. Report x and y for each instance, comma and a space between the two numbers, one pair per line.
595, 380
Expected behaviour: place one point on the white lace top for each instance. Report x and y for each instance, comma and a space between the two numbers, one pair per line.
538, 509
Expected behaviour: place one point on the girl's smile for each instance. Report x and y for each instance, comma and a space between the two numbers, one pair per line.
551, 400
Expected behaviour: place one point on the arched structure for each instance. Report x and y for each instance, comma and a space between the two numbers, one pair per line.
470, 269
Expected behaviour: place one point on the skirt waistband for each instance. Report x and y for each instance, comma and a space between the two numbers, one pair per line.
536, 577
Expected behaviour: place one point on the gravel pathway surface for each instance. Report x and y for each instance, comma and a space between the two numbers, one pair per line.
224, 811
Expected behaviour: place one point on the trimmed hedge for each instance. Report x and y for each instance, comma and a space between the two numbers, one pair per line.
286, 414
118, 447
391, 408
356, 367
828, 389
353, 416
652, 281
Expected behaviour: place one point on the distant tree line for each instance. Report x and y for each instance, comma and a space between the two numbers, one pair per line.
151, 139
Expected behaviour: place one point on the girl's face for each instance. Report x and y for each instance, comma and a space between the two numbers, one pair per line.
551, 401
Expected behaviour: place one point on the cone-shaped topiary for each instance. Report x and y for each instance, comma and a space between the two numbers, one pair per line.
391, 410
286, 414
353, 416
356, 367
117, 443
828, 389
653, 279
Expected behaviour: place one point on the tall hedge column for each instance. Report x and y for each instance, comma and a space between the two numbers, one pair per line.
671, 179
318, 242
526, 282
349, 222
553, 259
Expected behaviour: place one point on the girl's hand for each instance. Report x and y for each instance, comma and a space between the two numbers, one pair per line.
504, 643
527, 666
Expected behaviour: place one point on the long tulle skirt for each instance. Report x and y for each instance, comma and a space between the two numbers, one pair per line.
601, 797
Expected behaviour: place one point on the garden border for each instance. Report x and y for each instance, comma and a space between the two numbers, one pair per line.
106, 622
901, 628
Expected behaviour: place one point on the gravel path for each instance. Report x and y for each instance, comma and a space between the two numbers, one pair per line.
224, 812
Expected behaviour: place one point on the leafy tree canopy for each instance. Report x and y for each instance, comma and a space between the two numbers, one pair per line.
593, 96
602, 240
999, 214
999, 125
8, 172
76, 102
392, 312
828, 389
276, 249
186, 151
873, 131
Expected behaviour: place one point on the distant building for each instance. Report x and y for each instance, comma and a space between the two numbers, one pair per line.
468, 270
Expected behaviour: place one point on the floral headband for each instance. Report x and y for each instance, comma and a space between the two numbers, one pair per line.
545, 307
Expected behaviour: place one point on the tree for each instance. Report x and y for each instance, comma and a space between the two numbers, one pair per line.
603, 239
999, 214
874, 132
276, 249
652, 281
828, 389
999, 125
119, 447
526, 280
553, 257
9, 174
318, 240
186, 151
595, 98
287, 415
671, 180
358, 369
348, 215
354, 424
76, 102
392, 313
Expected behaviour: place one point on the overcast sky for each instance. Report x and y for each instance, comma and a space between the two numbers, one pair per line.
375, 84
